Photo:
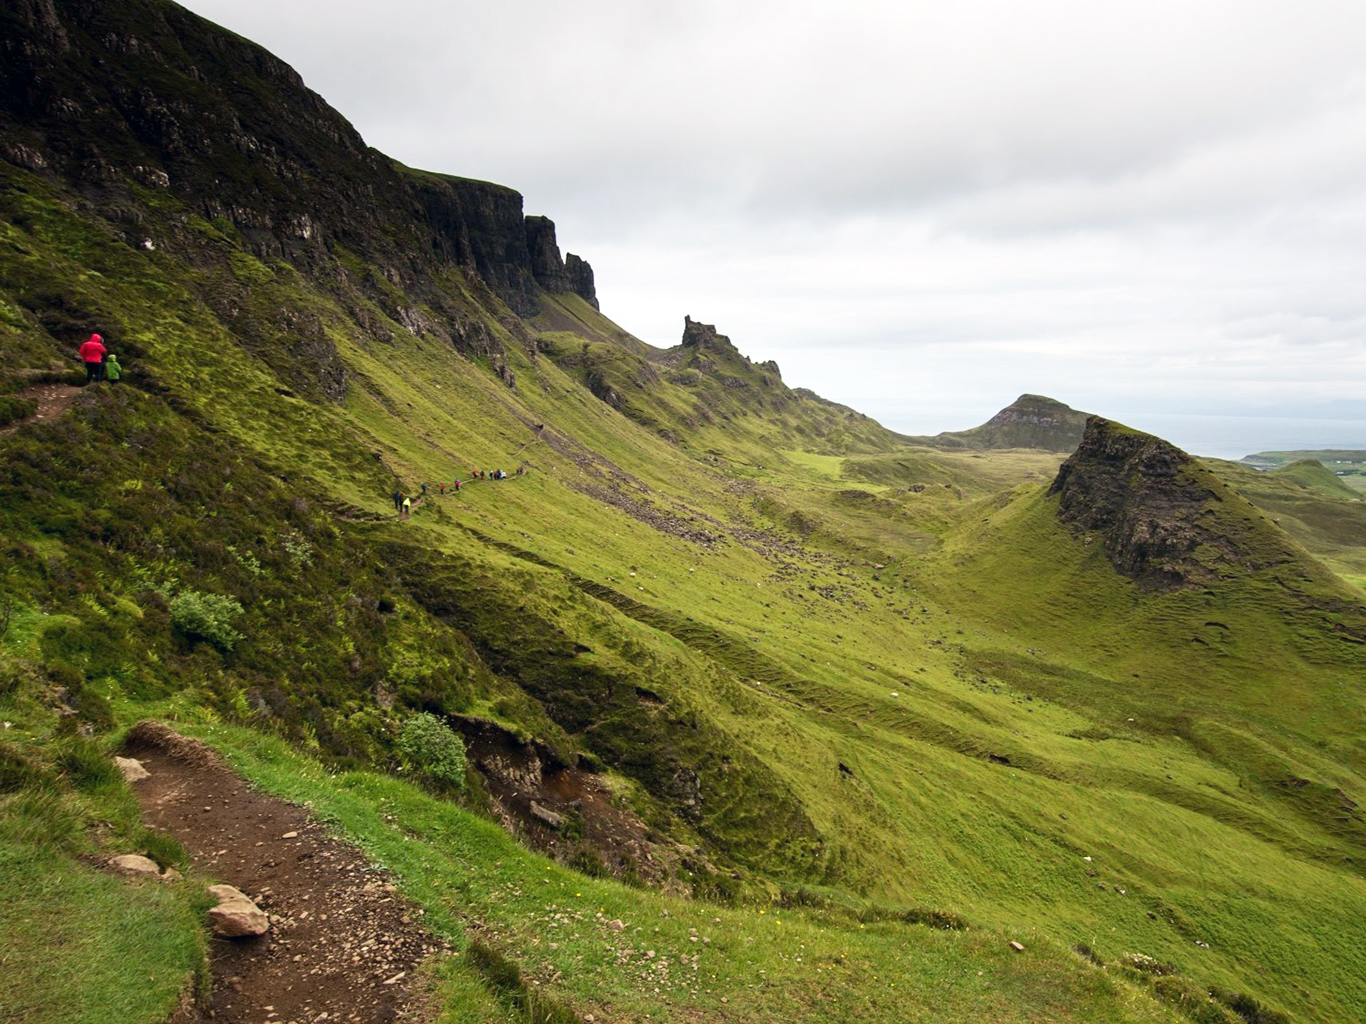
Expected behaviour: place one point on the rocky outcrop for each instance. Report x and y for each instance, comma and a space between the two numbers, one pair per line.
555, 275
702, 336
1155, 508
581, 278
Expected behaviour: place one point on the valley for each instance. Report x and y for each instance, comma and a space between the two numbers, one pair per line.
826, 717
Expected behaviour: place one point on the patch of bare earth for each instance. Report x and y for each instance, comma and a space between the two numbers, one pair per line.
53, 400
343, 946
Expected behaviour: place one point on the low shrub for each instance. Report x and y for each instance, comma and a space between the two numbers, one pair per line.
430, 747
13, 409
206, 617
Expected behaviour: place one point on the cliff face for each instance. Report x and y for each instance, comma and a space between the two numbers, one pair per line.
114, 97
1155, 507
552, 273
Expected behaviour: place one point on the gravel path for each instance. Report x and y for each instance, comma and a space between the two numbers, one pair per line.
343, 945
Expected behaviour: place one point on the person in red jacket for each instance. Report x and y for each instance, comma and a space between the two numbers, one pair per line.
92, 354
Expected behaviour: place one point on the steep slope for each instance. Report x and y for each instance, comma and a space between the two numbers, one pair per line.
767, 660
1031, 421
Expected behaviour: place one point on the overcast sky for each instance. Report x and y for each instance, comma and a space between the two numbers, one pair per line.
1155, 210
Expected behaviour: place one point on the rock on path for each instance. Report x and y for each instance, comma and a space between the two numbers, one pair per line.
338, 931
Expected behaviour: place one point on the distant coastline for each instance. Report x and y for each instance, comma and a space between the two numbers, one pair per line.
1233, 437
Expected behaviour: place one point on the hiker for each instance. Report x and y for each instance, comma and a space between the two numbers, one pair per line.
92, 354
398, 501
407, 511
424, 490
457, 485
112, 370
442, 489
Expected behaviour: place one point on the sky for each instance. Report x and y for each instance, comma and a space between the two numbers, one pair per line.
1155, 211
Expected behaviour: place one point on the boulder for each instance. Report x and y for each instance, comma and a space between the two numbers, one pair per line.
236, 915
546, 815
132, 769
135, 864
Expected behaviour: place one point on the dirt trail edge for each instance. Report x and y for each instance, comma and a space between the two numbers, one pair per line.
342, 945
53, 400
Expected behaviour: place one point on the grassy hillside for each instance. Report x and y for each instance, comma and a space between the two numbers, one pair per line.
1348, 466
1313, 506
866, 711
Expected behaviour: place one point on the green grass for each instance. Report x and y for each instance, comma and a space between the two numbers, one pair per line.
756, 964
81, 944
900, 685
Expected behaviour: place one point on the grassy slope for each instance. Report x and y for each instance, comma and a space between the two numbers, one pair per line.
990, 633
1351, 463
1314, 507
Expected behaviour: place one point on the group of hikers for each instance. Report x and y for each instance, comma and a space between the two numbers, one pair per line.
100, 363
403, 503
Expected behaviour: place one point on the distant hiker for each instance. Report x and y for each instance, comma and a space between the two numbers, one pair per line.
92, 354
398, 501
424, 490
112, 370
457, 485
407, 512
442, 487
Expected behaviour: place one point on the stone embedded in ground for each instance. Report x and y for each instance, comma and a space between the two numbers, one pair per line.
132, 769
616, 925
546, 815
135, 864
1017, 947
236, 916
223, 893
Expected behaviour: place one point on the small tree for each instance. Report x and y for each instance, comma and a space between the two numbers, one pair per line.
206, 617
430, 747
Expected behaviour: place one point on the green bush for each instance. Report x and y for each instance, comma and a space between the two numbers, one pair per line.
206, 617
430, 747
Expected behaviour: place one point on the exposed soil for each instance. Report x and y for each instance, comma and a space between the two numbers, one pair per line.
53, 400
342, 946
519, 775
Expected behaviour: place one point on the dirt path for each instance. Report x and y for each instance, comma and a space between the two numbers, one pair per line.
342, 946
53, 400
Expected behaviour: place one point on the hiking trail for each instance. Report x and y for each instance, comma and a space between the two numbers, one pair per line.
53, 400
343, 946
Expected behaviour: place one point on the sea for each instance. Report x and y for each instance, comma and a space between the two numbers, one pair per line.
1232, 437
